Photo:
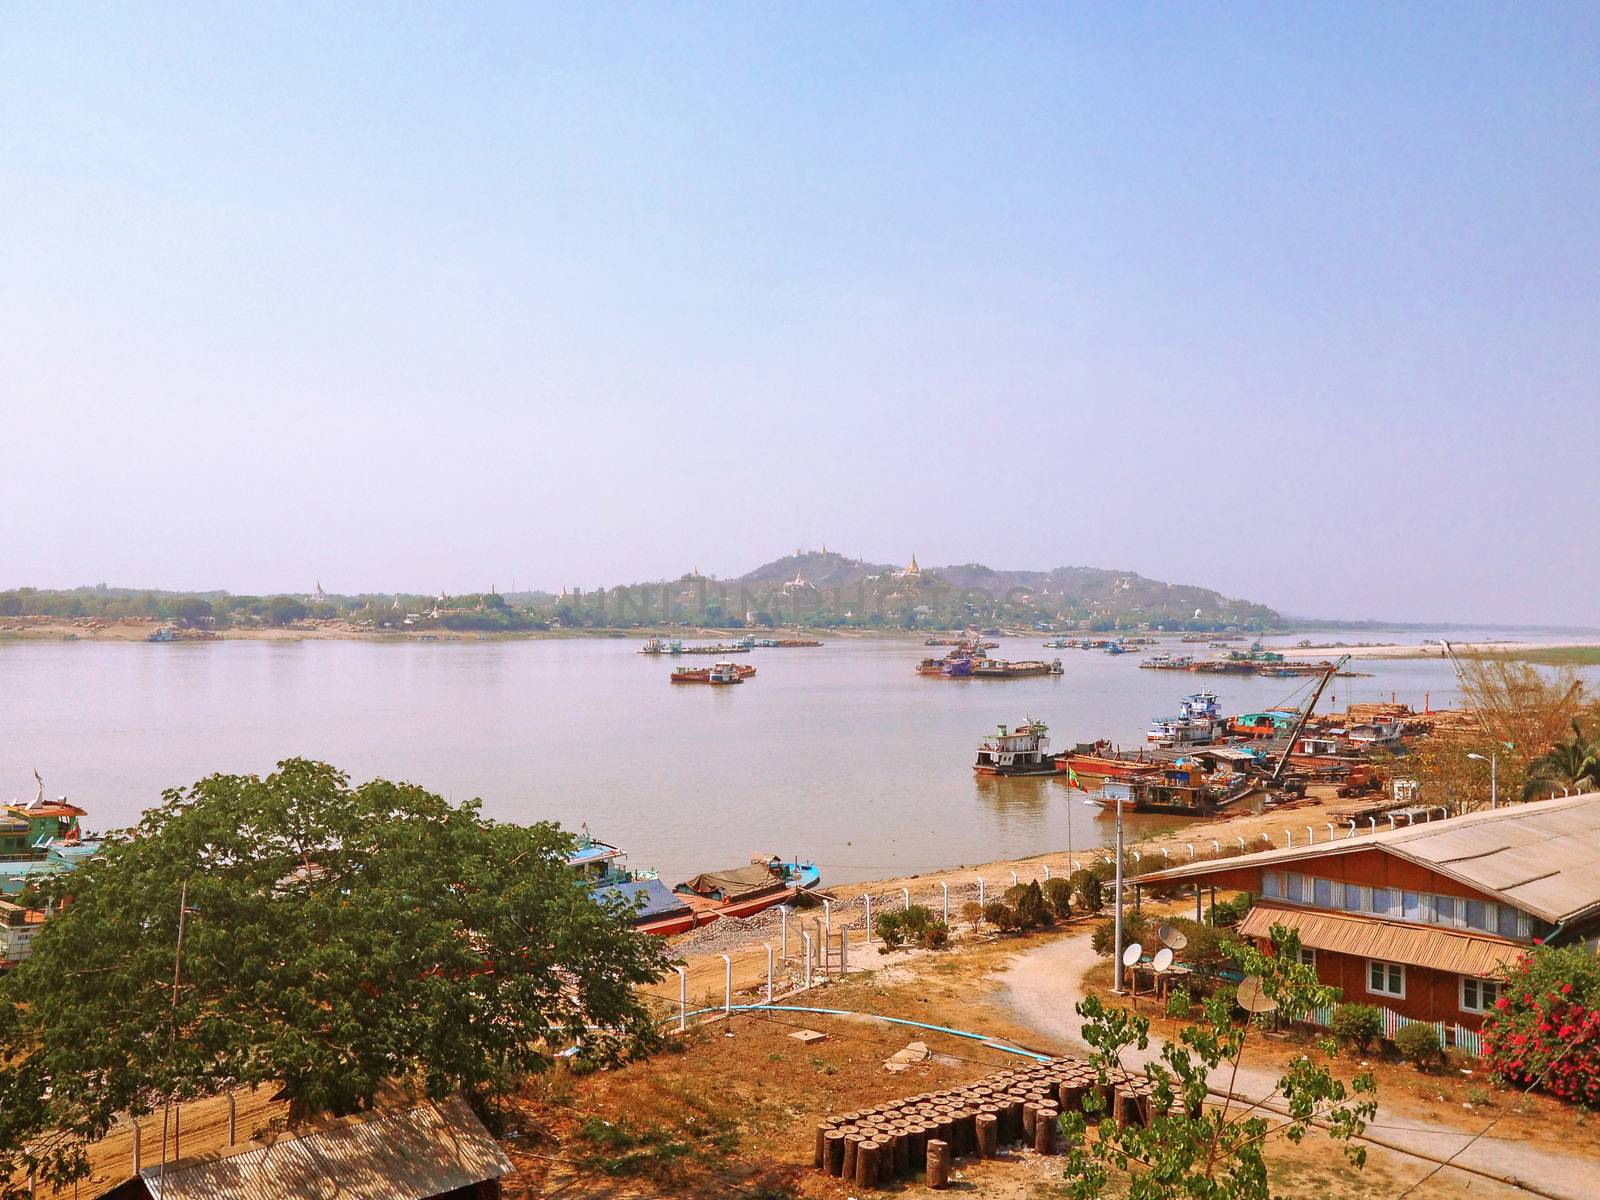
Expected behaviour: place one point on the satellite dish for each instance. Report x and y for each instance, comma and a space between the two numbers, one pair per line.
1130, 956
1252, 996
1171, 935
1162, 960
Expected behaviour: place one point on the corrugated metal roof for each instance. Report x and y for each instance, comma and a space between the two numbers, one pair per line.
1364, 937
1543, 857
403, 1155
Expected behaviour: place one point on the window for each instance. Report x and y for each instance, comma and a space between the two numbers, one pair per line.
1478, 915
1322, 892
1411, 906
1272, 885
1386, 978
1478, 995
1382, 901
1355, 897
1294, 887
1308, 956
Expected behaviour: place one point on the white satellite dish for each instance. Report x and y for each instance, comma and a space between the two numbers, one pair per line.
1252, 996
1162, 960
1171, 935
1130, 956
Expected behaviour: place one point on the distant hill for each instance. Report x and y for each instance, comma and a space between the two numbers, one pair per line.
1083, 593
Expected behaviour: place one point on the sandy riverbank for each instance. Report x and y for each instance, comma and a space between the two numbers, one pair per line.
1434, 650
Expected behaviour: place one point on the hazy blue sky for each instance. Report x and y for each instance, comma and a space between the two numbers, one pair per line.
1299, 302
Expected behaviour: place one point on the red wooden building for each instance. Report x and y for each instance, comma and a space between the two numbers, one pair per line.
1424, 920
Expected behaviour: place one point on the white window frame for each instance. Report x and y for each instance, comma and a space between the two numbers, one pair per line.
1484, 1005
1308, 957
1387, 965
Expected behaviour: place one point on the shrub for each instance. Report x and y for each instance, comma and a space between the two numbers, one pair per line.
1134, 929
915, 919
1357, 1025
936, 936
1545, 1026
891, 929
972, 914
1418, 1044
1086, 890
1226, 914
1058, 894
1032, 911
1179, 1002
1001, 915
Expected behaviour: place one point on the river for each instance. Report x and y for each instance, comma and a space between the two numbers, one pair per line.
841, 753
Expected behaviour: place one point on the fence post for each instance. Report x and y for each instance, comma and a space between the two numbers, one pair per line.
1352, 827
827, 916
783, 910
906, 892
1191, 851
1311, 836
946, 888
844, 952
1216, 847
980, 890
1288, 833
769, 972
867, 896
683, 999
806, 937
727, 996
1047, 872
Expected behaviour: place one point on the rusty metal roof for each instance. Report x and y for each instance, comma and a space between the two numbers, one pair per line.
1542, 857
403, 1155
1392, 941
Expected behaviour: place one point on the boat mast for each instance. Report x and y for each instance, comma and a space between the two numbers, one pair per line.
1305, 715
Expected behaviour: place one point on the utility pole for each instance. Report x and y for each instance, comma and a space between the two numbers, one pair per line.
172, 1034
1116, 908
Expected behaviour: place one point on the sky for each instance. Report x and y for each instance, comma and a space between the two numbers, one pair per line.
1300, 302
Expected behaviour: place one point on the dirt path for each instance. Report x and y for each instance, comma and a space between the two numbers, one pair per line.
1042, 986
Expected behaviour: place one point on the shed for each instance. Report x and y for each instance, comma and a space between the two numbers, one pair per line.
432, 1151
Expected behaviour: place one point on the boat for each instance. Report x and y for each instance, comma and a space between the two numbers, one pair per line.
1199, 723
1020, 751
1097, 760
744, 891
957, 667
1266, 724
931, 666
721, 673
1061, 643
1376, 734
165, 634
1167, 662
1181, 787
999, 668
1055, 667
1116, 648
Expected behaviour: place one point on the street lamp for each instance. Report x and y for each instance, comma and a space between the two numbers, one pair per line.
1116, 908
1494, 775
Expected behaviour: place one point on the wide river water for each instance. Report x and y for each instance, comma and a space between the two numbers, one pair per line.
842, 753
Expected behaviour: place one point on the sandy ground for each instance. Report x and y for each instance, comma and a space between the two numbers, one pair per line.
1430, 650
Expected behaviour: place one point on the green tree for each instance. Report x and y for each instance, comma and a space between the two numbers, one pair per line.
335, 938
1574, 763
1190, 1150
193, 611
283, 610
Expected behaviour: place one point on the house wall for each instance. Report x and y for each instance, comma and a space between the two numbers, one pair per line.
1430, 995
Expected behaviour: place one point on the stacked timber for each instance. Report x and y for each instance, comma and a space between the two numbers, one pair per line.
921, 1135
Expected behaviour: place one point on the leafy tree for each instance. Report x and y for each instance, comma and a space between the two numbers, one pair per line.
1574, 763
194, 611
1190, 1150
972, 914
1086, 890
334, 938
1028, 902
284, 610
1058, 894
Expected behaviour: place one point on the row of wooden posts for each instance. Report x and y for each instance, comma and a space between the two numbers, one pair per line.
918, 1134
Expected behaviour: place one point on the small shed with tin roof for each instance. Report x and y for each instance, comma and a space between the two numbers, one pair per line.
433, 1151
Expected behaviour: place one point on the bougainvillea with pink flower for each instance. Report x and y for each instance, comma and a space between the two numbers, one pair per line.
1545, 1027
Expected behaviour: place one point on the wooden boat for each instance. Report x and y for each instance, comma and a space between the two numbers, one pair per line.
1097, 760
1180, 788
744, 891
722, 673
1022, 751
999, 668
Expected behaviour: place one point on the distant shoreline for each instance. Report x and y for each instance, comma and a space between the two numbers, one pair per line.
1571, 652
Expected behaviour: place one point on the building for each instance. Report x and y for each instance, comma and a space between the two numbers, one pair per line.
432, 1151
1424, 920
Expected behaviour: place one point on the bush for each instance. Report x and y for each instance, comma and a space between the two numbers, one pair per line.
1058, 894
1134, 929
1546, 1024
1225, 914
936, 936
891, 929
972, 914
916, 918
1029, 903
1086, 890
1001, 915
1418, 1044
1179, 1002
1357, 1025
